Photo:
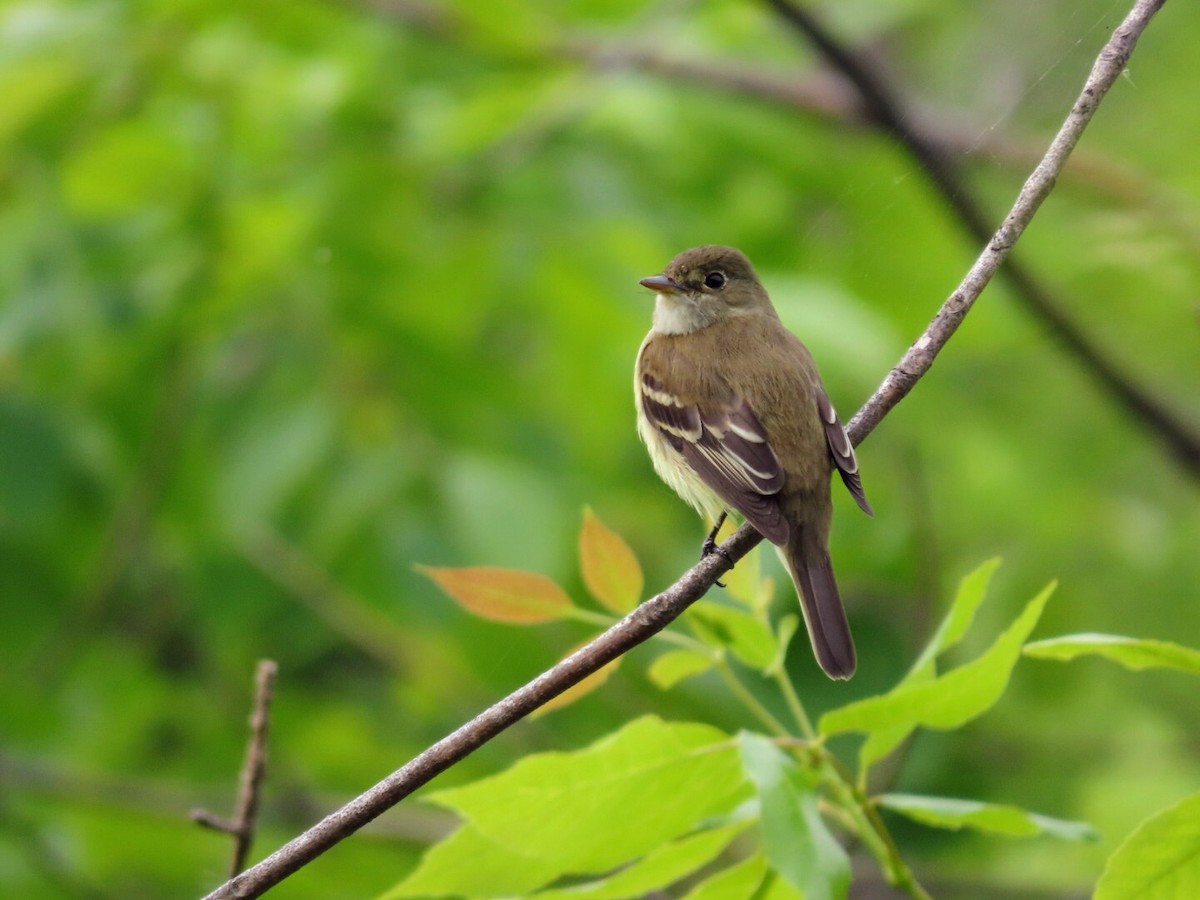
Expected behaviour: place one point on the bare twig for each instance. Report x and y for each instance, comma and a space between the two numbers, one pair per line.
254, 770
919, 357
887, 111
656, 613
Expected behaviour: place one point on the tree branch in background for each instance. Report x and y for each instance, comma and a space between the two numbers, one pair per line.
885, 109
864, 97
254, 770
658, 612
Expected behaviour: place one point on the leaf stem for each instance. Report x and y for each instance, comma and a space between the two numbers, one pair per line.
795, 706
871, 828
752, 703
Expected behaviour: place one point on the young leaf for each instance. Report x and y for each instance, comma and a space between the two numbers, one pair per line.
599, 808
503, 595
1159, 861
967, 600
471, 864
656, 870
798, 844
1132, 653
746, 636
610, 569
945, 812
674, 666
575, 691
971, 591
949, 700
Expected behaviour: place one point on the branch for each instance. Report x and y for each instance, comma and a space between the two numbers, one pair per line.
886, 110
254, 770
658, 612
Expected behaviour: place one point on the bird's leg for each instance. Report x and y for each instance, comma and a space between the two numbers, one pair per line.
710, 545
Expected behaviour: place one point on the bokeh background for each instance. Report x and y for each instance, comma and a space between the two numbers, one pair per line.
294, 296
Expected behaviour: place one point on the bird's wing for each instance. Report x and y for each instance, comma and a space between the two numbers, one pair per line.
841, 451
727, 447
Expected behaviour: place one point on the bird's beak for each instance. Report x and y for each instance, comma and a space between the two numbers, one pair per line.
660, 284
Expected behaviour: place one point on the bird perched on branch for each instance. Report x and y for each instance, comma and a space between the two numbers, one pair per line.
734, 414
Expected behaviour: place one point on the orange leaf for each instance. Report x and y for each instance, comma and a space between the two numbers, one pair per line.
503, 595
610, 569
586, 686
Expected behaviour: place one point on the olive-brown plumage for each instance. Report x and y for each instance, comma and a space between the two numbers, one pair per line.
732, 410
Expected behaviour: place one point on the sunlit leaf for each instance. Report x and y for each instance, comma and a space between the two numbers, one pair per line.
473, 864
610, 569
1132, 653
738, 880
657, 869
946, 812
674, 666
971, 592
949, 700
1159, 861
608, 804
503, 595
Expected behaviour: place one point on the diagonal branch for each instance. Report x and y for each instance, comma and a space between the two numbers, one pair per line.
658, 612
885, 109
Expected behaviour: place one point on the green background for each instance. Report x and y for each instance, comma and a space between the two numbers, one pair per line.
294, 296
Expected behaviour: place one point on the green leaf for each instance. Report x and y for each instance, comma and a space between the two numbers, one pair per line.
1160, 860
747, 637
503, 595
658, 869
674, 666
472, 864
1132, 653
610, 569
949, 700
967, 600
593, 810
739, 880
797, 843
946, 812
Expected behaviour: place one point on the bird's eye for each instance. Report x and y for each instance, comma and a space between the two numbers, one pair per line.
714, 280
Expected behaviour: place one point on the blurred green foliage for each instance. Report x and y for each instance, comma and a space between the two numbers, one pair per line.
296, 295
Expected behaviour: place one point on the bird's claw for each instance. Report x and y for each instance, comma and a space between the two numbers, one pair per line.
710, 546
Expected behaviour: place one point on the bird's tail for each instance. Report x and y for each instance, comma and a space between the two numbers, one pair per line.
812, 572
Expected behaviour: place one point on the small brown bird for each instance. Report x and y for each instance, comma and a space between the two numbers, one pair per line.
733, 412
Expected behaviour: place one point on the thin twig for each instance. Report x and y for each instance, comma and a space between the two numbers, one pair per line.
919, 357
883, 107
254, 770
656, 613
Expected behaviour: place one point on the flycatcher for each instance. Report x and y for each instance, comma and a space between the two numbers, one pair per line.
734, 414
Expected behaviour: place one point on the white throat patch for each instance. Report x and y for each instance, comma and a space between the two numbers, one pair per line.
675, 316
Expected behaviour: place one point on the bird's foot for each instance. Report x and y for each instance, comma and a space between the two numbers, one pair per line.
710, 545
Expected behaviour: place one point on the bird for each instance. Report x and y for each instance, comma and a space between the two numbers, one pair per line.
734, 415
